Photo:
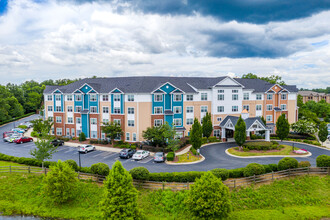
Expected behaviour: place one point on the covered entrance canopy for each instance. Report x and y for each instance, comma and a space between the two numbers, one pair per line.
253, 124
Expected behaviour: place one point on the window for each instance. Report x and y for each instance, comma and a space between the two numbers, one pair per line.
216, 133
203, 108
221, 97
116, 97
177, 109
177, 97
219, 119
234, 91
78, 108
130, 123
269, 96
190, 98
78, 132
93, 121
69, 97
72, 132
246, 96
78, 120
59, 131
258, 96
58, 119
204, 96
158, 98
50, 108
158, 122
93, 109
190, 121
134, 136
158, 110
269, 118
105, 121
105, 98
117, 121
258, 107
234, 108
58, 108
221, 91
49, 98
94, 134
93, 97
190, 109
68, 132
102, 136
70, 120
52, 131
70, 108
269, 107
116, 110
221, 108
78, 97
130, 98
177, 121
105, 110
235, 97
58, 97
127, 136
247, 107
283, 96
283, 106
130, 110
50, 118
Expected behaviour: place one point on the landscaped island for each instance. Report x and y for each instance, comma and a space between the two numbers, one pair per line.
264, 148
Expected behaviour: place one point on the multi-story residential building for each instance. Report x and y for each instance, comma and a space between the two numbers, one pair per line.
314, 96
140, 102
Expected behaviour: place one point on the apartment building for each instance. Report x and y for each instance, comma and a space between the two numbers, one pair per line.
140, 102
314, 96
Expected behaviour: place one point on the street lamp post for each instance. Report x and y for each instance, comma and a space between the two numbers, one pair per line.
79, 160
14, 122
292, 146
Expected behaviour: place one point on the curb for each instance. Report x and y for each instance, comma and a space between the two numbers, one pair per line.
312, 145
247, 157
198, 161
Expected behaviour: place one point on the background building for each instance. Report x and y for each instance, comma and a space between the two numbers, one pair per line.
314, 96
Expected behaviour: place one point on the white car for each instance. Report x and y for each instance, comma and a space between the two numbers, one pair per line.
11, 138
140, 154
86, 148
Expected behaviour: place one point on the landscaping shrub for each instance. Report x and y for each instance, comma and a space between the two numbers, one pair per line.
253, 169
85, 170
323, 161
270, 168
34, 134
312, 142
209, 198
304, 164
183, 142
170, 156
221, 173
154, 149
287, 163
254, 137
140, 173
82, 136
22, 126
189, 176
236, 173
193, 151
72, 163
213, 139
261, 145
204, 140
100, 169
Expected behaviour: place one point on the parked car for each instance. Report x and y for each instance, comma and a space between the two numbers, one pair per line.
329, 137
18, 130
7, 133
140, 154
86, 148
159, 157
57, 142
12, 137
127, 153
23, 140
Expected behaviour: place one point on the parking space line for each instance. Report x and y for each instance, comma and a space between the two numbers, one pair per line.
111, 155
146, 160
69, 150
97, 154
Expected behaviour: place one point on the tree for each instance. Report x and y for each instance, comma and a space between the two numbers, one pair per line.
161, 136
207, 126
82, 137
304, 127
120, 196
240, 132
60, 183
273, 79
208, 197
323, 132
112, 130
42, 126
264, 121
44, 149
282, 127
196, 134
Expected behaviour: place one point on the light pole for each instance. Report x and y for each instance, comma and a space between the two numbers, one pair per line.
79, 160
14, 122
292, 146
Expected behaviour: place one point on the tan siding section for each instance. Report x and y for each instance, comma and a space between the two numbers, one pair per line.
134, 129
144, 117
48, 103
291, 106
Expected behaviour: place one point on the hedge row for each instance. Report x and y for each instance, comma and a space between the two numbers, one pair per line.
17, 118
261, 145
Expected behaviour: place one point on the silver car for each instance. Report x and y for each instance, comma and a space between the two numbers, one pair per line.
86, 148
159, 157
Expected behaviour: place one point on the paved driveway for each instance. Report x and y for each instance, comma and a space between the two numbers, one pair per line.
215, 156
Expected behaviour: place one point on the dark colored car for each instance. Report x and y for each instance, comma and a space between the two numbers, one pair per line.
7, 133
23, 140
57, 142
126, 153
159, 157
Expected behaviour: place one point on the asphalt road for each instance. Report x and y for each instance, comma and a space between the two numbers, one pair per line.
215, 156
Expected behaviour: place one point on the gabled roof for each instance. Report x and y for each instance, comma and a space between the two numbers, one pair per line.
248, 121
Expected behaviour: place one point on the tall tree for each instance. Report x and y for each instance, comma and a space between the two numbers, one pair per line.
44, 149
273, 79
161, 136
120, 196
240, 132
42, 126
282, 127
304, 126
196, 134
112, 130
323, 132
207, 126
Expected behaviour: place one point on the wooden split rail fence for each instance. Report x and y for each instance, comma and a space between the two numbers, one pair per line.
231, 183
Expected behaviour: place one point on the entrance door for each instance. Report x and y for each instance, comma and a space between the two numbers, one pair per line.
229, 133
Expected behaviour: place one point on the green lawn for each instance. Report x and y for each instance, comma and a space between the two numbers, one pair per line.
184, 158
284, 151
7, 163
298, 198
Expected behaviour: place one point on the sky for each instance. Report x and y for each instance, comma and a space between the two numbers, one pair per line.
54, 39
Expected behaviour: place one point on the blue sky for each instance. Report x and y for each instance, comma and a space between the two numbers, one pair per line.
44, 39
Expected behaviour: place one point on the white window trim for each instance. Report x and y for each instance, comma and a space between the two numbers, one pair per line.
129, 112
177, 107
158, 113
177, 119
267, 109
158, 120
128, 125
190, 107
271, 117
156, 95
175, 96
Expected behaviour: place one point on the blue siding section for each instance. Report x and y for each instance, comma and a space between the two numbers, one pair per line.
168, 104
86, 101
85, 89
62, 103
157, 104
77, 103
179, 103
169, 119
122, 107
95, 103
85, 124
111, 96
